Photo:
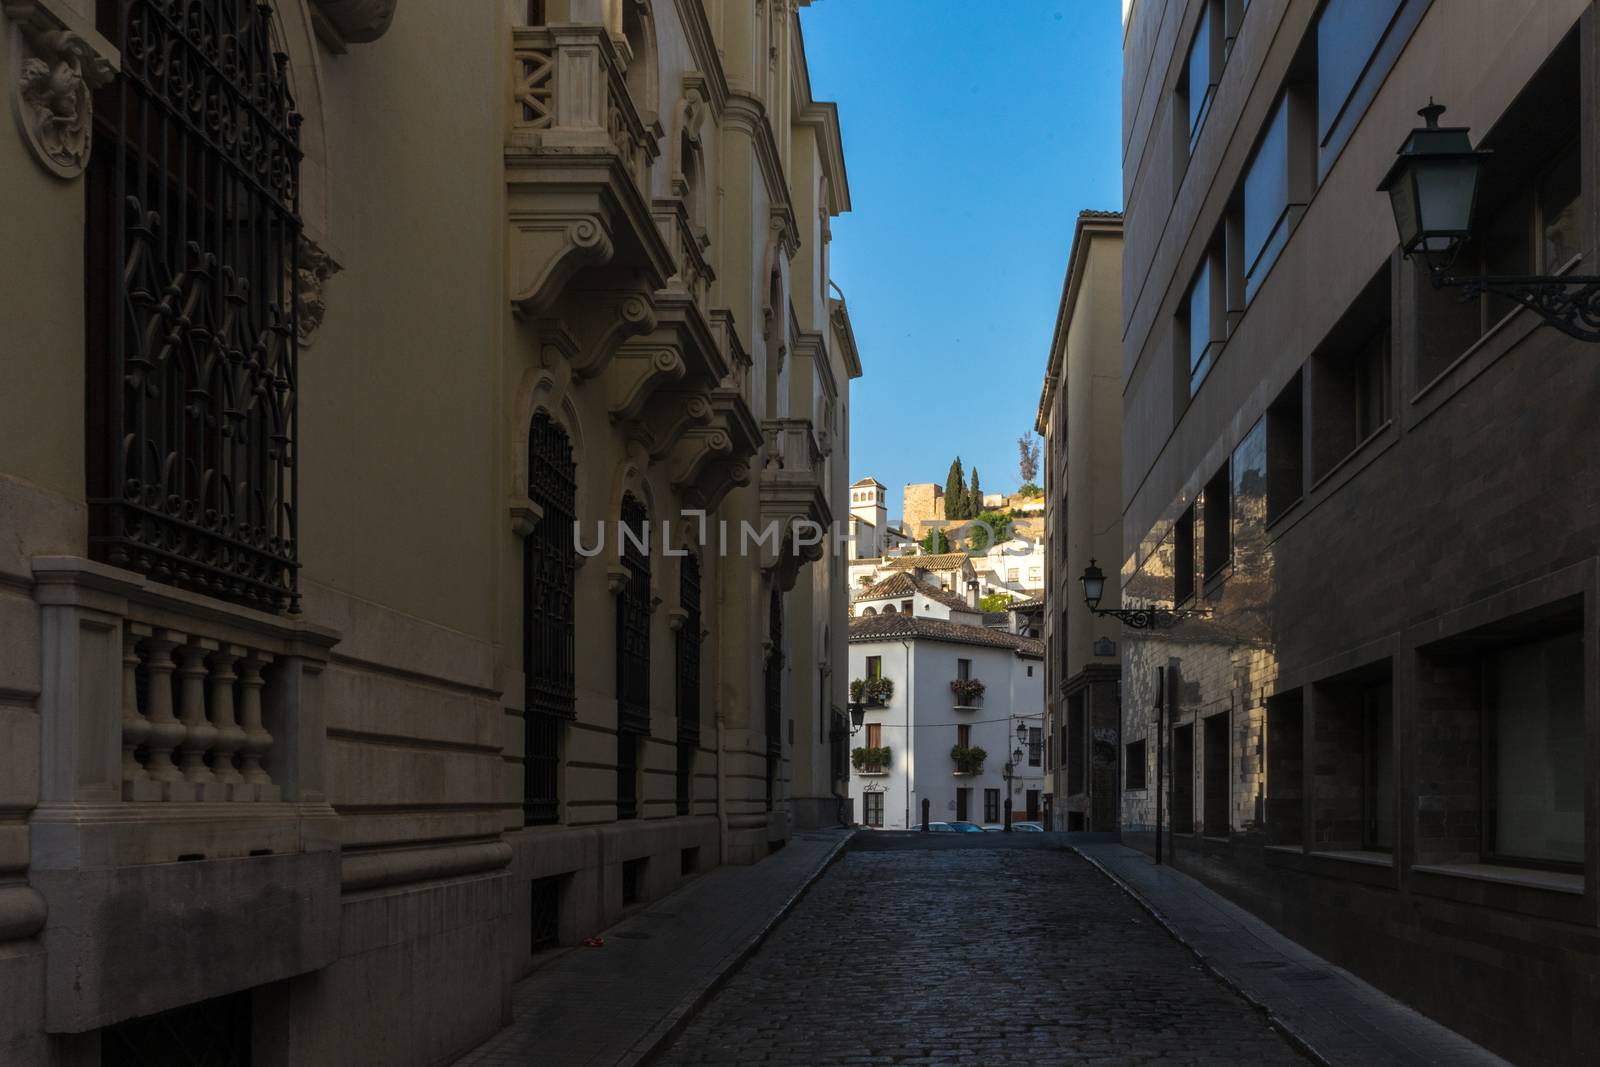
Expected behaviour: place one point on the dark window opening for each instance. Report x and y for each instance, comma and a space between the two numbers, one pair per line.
633, 881
1353, 750
1183, 556
1183, 779
688, 861
1032, 799
1035, 746
1351, 378
1217, 794
963, 800
1286, 482
991, 805
1074, 744
1218, 523
216, 1033
544, 911
1285, 787
1133, 773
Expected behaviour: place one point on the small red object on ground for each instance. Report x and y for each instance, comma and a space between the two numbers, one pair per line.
595, 942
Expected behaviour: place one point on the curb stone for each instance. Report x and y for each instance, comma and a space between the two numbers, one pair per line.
1293, 1036
661, 1035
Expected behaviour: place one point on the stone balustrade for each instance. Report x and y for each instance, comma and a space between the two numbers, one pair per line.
570, 93
191, 718
155, 695
791, 446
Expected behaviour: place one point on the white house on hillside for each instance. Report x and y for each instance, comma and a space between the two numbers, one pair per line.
921, 720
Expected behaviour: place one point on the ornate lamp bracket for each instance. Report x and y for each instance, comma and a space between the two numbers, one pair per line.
1151, 618
1570, 303
58, 60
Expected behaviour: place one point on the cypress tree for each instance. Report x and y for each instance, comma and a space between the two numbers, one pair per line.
955, 492
974, 498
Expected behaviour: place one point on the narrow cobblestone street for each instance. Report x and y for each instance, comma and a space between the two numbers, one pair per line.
908, 954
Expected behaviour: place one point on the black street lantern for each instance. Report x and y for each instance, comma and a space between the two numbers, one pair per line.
1432, 188
1016, 757
1094, 588
1094, 585
1022, 735
858, 715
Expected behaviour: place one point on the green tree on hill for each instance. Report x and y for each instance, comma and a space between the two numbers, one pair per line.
955, 492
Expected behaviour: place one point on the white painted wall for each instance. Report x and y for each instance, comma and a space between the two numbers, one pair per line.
919, 726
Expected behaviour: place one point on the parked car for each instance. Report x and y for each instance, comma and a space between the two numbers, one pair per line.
993, 827
941, 828
1028, 827
967, 827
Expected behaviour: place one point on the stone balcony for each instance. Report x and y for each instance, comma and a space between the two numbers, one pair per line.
181, 814
794, 497
578, 157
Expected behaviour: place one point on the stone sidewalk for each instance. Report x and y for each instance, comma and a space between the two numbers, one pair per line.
1334, 1016
588, 1007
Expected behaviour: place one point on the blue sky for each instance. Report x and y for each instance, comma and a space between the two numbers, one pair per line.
973, 135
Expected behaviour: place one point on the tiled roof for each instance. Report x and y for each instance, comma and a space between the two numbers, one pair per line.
945, 561
891, 627
1091, 213
867, 481
1035, 604
901, 584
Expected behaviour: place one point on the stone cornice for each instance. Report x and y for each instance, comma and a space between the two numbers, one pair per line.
703, 46
839, 315
748, 114
822, 116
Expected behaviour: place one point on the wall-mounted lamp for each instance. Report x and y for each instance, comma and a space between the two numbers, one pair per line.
1432, 189
1094, 588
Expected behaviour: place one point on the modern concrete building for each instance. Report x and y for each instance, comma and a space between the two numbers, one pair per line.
1080, 419
1383, 738
911, 737
316, 726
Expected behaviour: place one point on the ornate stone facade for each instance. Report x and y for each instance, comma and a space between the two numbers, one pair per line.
594, 289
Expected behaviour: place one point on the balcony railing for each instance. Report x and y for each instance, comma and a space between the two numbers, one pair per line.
570, 94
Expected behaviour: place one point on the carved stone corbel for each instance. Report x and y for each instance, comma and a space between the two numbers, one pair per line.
547, 250
673, 418
716, 481
594, 324
636, 373
616, 579
525, 514
58, 62
341, 23
698, 447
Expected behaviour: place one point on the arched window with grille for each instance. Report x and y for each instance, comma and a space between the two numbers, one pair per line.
192, 262
633, 654
688, 664
549, 567
774, 702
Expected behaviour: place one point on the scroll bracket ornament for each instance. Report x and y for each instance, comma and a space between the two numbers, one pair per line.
58, 61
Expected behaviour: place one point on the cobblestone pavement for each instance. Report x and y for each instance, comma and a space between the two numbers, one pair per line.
945, 956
